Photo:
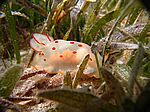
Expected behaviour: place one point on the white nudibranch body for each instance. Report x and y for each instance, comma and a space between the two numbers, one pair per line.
59, 55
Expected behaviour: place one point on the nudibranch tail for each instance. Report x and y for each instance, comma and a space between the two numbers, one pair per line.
42, 39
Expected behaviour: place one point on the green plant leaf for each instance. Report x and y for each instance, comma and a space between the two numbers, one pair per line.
90, 32
8, 80
81, 100
12, 31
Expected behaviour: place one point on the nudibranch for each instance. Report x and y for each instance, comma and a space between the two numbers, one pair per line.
55, 56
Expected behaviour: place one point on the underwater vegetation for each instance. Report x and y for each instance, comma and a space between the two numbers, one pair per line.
74, 55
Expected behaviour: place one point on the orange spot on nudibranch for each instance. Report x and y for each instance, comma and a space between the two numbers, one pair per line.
42, 54
80, 45
56, 41
44, 59
74, 52
61, 56
71, 42
53, 48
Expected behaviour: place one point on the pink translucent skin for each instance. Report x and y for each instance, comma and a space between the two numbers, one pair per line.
60, 55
